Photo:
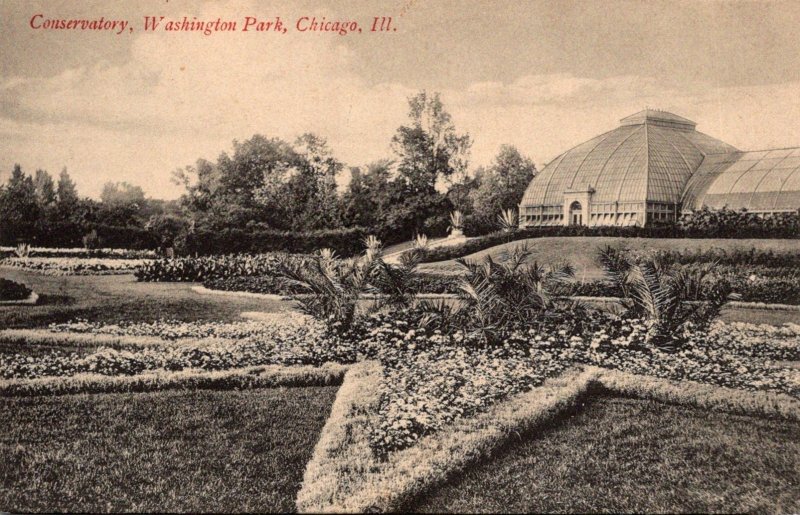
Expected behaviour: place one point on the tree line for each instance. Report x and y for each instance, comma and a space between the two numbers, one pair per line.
270, 185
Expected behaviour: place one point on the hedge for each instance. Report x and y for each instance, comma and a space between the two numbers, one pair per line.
345, 242
10, 290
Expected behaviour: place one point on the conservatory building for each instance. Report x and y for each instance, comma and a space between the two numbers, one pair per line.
653, 167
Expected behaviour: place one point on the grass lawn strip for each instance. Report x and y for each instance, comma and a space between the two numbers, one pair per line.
342, 458
173, 451
236, 379
344, 475
46, 337
614, 454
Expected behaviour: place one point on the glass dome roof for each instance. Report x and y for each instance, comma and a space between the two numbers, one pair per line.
766, 180
649, 157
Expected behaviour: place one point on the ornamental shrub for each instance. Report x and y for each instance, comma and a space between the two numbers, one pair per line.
10, 290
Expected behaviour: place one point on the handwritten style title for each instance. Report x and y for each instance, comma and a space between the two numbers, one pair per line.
309, 24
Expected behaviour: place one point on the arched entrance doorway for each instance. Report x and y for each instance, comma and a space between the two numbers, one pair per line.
575, 213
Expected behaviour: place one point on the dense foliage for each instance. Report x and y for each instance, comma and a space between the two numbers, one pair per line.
345, 242
38, 210
203, 268
10, 290
727, 223
74, 266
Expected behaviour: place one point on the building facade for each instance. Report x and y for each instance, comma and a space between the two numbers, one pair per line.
653, 167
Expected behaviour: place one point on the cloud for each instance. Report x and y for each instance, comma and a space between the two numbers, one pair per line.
184, 96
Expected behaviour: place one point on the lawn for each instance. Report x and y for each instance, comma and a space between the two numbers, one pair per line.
194, 451
116, 298
582, 251
629, 455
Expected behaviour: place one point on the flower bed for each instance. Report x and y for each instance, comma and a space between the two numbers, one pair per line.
10, 290
287, 339
80, 252
431, 379
204, 268
432, 376
74, 266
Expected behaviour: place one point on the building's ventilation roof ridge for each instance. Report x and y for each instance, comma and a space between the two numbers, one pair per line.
658, 117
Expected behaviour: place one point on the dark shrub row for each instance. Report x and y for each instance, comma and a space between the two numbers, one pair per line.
266, 284
10, 290
727, 223
345, 242
71, 235
768, 259
753, 284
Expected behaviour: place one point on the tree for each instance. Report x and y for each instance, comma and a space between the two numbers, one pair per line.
319, 169
19, 210
265, 183
67, 192
45, 188
122, 194
429, 148
461, 192
121, 204
503, 184
366, 197
430, 152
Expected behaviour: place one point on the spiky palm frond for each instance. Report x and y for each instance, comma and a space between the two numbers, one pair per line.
456, 220
330, 287
665, 295
374, 248
508, 220
441, 314
617, 265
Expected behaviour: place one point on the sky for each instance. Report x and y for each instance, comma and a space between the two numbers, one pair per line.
540, 75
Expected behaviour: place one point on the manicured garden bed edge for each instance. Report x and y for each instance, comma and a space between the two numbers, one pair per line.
236, 379
271, 296
698, 395
344, 476
435, 296
50, 338
342, 456
207, 291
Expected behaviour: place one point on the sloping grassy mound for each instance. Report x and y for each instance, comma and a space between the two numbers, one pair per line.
631, 455
201, 451
581, 251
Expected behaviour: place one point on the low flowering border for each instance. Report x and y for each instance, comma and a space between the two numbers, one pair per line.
235, 379
344, 476
47, 337
698, 395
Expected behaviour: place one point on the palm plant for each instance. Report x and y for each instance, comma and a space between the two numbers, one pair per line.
456, 221
501, 295
665, 296
398, 282
23, 250
508, 220
330, 287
